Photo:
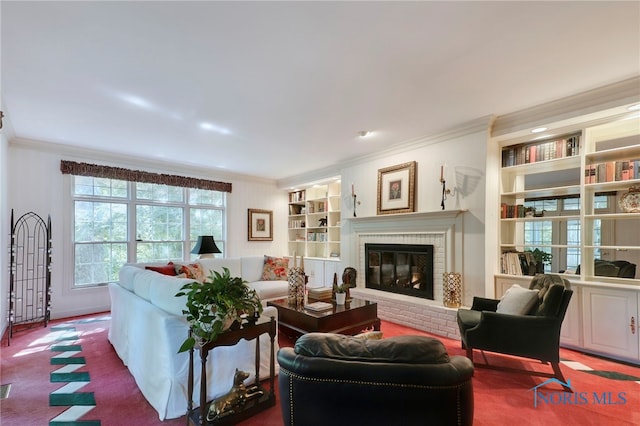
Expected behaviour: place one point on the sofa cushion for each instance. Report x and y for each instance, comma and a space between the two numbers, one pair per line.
142, 282
517, 301
168, 269
127, 276
275, 268
397, 349
252, 268
269, 290
213, 264
162, 293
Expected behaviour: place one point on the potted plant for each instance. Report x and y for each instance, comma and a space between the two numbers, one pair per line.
216, 304
341, 293
542, 258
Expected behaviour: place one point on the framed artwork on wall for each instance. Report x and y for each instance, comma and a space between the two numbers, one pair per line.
397, 189
260, 225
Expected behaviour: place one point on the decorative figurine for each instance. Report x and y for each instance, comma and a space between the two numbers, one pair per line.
349, 278
234, 399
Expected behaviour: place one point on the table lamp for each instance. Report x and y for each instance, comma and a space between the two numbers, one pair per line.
205, 247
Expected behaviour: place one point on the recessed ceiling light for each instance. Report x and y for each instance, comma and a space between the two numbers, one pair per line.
215, 128
635, 107
538, 129
364, 133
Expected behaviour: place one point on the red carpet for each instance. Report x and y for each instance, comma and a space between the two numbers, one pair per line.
500, 397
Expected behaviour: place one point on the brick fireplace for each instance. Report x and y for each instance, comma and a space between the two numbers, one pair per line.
443, 230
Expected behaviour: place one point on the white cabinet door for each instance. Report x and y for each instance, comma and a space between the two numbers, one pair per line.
314, 269
331, 267
321, 272
608, 318
503, 284
570, 333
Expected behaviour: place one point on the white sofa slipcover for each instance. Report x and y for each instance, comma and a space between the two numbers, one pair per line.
148, 327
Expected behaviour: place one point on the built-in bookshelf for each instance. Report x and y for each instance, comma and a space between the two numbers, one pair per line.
588, 170
568, 196
314, 221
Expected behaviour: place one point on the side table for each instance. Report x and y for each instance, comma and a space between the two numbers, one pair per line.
198, 415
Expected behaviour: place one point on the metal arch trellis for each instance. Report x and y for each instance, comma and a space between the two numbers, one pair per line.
29, 271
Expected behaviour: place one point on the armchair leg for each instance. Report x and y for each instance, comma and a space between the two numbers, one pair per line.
560, 376
470, 353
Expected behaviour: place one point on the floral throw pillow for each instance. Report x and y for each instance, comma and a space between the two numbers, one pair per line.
192, 270
275, 268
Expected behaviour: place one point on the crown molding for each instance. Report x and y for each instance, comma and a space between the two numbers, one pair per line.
603, 101
133, 162
482, 124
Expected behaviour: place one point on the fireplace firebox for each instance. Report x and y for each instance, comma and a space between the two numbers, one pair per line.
400, 268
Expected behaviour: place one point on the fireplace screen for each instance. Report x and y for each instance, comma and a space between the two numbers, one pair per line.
400, 268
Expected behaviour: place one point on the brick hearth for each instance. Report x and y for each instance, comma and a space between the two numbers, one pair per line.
425, 315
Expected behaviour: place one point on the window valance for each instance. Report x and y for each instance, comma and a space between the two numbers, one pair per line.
95, 170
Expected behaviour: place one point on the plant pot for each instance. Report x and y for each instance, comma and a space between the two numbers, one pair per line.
341, 298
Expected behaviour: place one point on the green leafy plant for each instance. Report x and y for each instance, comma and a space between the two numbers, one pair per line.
215, 304
541, 256
342, 288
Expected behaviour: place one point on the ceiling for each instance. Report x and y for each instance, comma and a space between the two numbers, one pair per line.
279, 89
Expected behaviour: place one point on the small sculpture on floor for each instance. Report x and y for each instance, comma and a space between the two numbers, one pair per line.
234, 399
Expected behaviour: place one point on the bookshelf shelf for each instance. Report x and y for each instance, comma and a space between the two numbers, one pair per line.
314, 221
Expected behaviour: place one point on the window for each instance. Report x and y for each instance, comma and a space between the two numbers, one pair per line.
116, 221
561, 238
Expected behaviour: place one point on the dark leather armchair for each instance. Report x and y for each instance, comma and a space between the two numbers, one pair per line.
534, 335
345, 380
614, 268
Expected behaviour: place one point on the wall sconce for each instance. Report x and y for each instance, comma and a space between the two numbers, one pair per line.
443, 181
205, 247
354, 196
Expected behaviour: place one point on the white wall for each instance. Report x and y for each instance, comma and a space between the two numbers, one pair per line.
36, 184
4, 231
464, 157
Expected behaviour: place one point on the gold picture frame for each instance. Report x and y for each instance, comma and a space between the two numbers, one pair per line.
397, 189
260, 225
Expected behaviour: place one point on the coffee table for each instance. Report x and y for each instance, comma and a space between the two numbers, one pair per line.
350, 318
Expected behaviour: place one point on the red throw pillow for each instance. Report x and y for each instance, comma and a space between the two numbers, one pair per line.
168, 269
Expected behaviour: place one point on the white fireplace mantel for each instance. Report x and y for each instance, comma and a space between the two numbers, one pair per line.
402, 221
442, 229
447, 224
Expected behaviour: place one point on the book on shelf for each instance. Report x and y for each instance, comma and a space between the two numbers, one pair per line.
517, 263
612, 171
295, 209
297, 196
541, 151
511, 211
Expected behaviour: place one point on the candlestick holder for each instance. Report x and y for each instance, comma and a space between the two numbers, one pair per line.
445, 191
354, 204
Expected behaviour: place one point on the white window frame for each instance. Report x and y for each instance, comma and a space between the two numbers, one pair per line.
132, 202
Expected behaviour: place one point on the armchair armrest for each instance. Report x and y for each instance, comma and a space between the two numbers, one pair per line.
484, 304
523, 335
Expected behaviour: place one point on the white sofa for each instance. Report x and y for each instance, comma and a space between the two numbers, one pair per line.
148, 327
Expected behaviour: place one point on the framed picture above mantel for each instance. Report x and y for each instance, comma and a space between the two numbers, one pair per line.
260, 225
397, 189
